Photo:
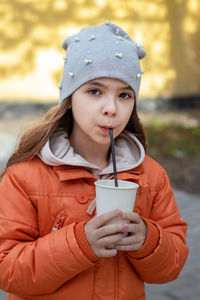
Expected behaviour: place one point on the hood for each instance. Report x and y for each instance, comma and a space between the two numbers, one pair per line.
57, 151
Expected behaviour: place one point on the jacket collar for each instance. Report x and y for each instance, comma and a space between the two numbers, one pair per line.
66, 173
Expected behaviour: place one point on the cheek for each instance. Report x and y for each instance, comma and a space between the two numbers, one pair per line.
77, 107
77, 115
127, 113
81, 114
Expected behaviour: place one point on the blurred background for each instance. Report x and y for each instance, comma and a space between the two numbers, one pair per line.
32, 33
31, 61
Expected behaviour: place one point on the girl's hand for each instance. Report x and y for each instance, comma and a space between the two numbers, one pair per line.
101, 235
137, 230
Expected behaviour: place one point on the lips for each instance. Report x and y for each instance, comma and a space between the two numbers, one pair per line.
105, 129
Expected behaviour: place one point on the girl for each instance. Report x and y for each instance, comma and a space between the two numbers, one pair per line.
52, 244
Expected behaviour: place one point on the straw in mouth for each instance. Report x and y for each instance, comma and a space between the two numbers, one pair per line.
113, 156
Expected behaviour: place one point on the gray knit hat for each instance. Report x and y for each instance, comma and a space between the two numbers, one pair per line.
100, 51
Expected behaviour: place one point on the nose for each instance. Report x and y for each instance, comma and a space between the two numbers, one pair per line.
109, 108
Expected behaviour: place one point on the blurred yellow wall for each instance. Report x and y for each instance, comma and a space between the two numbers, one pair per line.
32, 32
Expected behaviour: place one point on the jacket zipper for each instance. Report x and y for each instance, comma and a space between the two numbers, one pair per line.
58, 224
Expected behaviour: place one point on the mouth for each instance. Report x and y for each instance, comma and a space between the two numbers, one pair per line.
105, 129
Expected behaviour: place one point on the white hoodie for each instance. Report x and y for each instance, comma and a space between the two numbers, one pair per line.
57, 151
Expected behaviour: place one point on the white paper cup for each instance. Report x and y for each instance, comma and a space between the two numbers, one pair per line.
109, 197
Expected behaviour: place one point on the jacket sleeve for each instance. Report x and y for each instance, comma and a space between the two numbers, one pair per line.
29, 264
164, 252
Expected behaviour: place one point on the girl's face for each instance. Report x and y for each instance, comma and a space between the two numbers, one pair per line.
98, 105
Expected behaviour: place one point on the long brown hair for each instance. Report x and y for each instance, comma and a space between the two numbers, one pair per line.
37, 135
60, 116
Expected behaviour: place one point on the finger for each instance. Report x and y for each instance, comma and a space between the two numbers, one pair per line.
131, 227
131, 216
104, 218
132, 239
110, 230
107, 252
128, 247
108, 240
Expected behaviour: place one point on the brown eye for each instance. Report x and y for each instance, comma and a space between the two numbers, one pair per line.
125, 95
94, 92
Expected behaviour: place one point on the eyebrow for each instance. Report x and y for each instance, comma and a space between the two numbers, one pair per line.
97, 83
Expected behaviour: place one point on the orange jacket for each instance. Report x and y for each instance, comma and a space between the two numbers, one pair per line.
44, 253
